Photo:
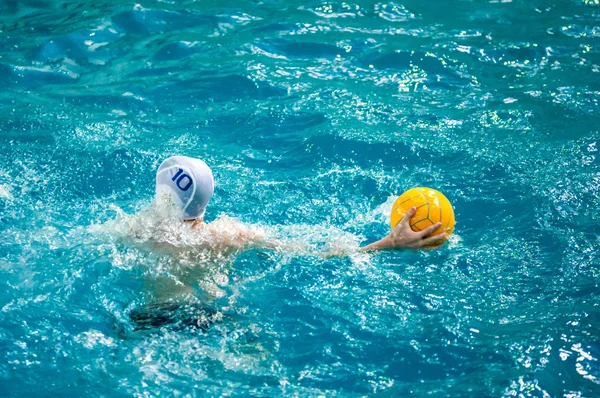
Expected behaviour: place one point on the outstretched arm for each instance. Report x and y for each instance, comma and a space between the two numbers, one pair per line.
238, 236
403, 237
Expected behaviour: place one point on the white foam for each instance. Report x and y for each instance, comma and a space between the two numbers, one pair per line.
93, 338
5, 192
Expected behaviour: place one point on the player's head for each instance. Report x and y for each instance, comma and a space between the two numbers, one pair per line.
189, 182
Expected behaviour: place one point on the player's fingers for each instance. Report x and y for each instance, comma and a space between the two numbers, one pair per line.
434, 239
406, 219
429, 230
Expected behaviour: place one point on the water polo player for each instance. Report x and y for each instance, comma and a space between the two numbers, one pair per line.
198, 253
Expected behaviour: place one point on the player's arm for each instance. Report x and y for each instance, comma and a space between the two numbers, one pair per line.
403, 237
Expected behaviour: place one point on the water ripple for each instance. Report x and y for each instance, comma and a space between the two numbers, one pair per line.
314, 117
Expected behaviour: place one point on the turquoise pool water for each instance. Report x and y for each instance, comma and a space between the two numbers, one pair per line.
313, 116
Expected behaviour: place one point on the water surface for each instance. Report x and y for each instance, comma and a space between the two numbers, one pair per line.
313, 117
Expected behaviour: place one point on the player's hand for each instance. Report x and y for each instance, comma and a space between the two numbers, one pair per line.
403, 237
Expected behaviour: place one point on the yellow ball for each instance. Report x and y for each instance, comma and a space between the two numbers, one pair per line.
431, 206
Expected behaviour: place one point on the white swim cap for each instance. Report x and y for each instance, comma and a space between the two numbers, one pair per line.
188, 181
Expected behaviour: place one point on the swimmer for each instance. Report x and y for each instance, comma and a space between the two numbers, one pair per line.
189, 183
200, 255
